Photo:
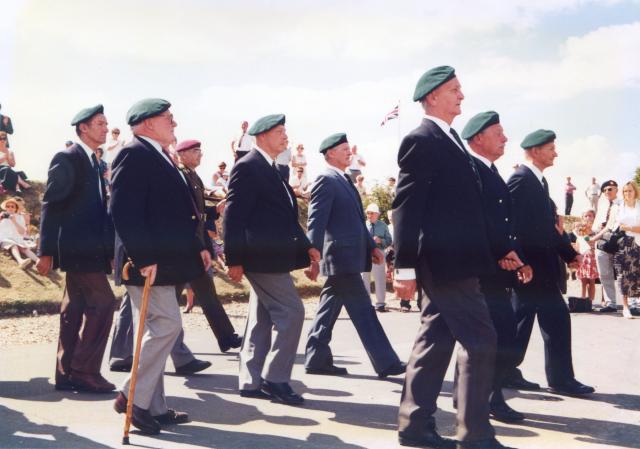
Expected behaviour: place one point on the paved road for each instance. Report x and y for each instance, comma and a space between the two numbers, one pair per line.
353, 412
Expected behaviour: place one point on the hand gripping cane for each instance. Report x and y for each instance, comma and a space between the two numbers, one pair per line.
136, 355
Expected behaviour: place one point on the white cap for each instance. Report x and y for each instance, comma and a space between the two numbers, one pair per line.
373, 207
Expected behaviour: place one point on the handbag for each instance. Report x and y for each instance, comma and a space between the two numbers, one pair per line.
611, 241
579, 305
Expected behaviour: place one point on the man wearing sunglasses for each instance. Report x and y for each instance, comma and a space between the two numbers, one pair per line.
604, 260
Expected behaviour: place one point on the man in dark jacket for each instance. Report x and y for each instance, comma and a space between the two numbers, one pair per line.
336, 227
486, 138
542, 243
264, 242
441, 238
190, 154
76, 235
156, 224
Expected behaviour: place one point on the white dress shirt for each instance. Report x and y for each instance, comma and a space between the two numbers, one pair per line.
90, 152
158, 148
270, 161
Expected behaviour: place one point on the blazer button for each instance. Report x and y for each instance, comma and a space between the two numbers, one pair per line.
500, 200
506, 219
193, 217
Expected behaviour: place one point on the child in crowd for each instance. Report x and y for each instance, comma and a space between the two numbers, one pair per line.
588, 271
14, 224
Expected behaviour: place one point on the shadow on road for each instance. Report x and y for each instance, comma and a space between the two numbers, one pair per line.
17, 431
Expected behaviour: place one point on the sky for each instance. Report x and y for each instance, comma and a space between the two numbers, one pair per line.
333, 66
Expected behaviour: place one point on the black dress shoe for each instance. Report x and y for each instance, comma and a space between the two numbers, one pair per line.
121, 368
235, 341
431, 439
140, 418
381, 309
502, 412
330, 370
193, 366
281, 392
491, 443
256, 394
517, 382
608, 309
64, 385
571, 388
172, 417
394, 370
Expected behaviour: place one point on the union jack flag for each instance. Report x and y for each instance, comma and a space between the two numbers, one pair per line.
391, 115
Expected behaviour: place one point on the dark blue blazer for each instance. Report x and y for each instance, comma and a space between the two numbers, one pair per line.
75, 227
500, 225
261, 229
336, 226
535, 218
438, 208
155, 217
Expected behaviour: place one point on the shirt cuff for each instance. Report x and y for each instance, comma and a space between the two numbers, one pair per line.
404, 274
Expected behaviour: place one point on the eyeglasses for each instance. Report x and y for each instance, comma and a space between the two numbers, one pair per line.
609, 189
3, 138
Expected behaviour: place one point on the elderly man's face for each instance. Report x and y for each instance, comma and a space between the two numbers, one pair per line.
372, 216
276, 139
191, 158
492, 140
95, 130
163, 126
611, 192
340, 156
448, 97
244, 126
544, 155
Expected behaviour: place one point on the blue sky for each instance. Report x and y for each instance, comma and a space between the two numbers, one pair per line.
567, 65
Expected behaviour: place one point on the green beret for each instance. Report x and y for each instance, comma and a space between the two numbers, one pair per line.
86, 114
332, 141
147, 108
264, 124
480, 122
537, 138
432, 79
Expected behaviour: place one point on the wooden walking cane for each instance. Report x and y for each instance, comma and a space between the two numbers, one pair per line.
136, 354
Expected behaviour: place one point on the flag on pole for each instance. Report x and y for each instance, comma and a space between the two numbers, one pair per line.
391, 115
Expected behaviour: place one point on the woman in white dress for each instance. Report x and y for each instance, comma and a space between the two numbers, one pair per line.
13, 230
627, 260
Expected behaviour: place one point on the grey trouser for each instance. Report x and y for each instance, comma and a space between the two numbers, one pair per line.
604, 262
121, 352
162, 326
274, 324
379, 272
451, 311
347, 290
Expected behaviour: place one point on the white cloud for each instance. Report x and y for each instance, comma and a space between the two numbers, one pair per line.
601, 59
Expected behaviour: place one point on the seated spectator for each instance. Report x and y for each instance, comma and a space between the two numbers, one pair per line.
222, 166
299, 184
362, 190
6, 125
627, 260
113, 146
221, 187
299, 159
13, 233
587, 272
11, 180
